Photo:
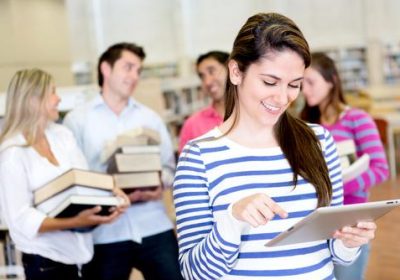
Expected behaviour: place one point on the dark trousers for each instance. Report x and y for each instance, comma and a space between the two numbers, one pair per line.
39, 268
156, 258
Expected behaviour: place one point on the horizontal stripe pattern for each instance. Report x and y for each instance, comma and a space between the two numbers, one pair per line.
213, 245
357, 125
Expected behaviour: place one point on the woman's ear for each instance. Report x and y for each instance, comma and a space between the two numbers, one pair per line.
235, 75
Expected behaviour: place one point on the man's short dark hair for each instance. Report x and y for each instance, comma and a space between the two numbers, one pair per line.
113, 53
220, 56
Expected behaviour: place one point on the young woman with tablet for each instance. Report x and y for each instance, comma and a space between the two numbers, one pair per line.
261, 171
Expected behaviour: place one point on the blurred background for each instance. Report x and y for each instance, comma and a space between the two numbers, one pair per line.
65, 37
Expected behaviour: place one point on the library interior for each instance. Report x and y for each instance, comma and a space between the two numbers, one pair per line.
66, 38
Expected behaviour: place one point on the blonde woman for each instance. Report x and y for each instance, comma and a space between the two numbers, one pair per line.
34, 150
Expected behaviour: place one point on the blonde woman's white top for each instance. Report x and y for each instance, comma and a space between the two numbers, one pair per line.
23, 170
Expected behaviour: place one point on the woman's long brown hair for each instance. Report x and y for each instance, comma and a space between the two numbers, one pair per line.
271, 32
325, 66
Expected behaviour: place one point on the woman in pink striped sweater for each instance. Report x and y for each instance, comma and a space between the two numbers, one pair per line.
325, 105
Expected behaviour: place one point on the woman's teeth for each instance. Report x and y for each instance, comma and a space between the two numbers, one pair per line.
270, 107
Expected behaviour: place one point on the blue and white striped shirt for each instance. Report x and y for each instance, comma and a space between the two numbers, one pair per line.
214, 245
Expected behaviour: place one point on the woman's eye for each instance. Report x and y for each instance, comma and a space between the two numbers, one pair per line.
294, 86
269, 83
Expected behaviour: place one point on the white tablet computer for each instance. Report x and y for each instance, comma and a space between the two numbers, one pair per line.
322, 223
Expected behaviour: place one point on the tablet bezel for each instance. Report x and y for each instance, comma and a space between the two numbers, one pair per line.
322, 222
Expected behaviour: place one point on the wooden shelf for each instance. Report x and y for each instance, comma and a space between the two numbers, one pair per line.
391, 64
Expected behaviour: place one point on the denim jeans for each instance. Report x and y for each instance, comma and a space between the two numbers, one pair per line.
156, 257
355, 271
39, 268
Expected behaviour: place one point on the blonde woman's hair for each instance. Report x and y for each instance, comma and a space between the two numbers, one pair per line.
26, 98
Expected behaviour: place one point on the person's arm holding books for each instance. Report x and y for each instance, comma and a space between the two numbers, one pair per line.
78, 160
146, 194
89, 217
368, 141
85, 218
345, 242
21, 214
124, 198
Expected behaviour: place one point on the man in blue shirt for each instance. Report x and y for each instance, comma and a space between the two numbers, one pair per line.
143, 237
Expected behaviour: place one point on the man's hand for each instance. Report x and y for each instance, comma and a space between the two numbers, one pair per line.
146, 194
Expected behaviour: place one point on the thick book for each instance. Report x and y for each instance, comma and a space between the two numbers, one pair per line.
346, 147
138, 162
141, 136
135, 149
148, 149
344, 162
51, 203
129, 182
356, 168
74, 204
74, 177
346, 152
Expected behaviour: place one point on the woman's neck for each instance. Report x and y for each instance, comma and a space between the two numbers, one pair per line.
330, 114
43, 148
249, 134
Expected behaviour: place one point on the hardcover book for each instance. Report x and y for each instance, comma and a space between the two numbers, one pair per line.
352, 166
134, 163
141, 136
129, 182
347, 152
74, 204
75, 190
73, 177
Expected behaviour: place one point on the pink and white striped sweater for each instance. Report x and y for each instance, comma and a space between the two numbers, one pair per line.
358, 125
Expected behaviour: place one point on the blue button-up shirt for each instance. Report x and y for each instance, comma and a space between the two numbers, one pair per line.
94, 124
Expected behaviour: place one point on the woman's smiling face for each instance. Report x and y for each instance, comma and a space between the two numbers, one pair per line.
268, 87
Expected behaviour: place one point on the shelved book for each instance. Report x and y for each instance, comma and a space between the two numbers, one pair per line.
141, 136
75, 182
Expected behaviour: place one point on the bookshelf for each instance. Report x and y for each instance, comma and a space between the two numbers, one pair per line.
161, 70
182, 97
391, 64
352, 66
10, 258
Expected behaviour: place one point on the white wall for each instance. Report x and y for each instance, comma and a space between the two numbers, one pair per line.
179, 30
34, 34
60, 34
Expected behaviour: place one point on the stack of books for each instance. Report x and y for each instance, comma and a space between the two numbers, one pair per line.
76, 190
134, 159
352, 166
